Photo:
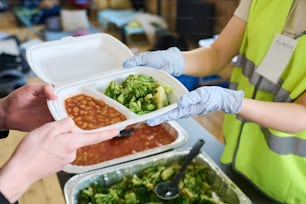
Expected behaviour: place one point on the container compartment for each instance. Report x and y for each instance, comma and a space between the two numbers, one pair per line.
96, 86
177, 88
58, 110
222, 185
91, 113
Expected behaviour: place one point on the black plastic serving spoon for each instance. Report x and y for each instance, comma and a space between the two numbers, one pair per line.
169, 190
127, 132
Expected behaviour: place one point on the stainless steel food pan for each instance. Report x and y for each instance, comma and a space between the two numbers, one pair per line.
172, 128
223, 186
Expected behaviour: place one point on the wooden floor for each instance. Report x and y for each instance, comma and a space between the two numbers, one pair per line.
212, 122
48, 190
45, 191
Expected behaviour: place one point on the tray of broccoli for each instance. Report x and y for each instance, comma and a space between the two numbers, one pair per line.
133, 182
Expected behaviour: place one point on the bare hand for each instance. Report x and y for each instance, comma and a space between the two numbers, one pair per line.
44, 151
26, 108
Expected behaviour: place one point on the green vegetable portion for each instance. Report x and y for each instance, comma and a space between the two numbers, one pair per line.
139, 188
139, 93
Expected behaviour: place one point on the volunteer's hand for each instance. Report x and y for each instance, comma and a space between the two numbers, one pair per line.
201, 101
170, 60
26, 108
44, 151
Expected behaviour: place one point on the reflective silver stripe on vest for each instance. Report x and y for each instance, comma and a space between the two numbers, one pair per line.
280, 95
233, 86
280, 145
285, 145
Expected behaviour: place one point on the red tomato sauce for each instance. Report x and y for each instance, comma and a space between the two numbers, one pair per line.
143, 138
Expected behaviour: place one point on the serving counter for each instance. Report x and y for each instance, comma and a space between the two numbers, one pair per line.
214, 149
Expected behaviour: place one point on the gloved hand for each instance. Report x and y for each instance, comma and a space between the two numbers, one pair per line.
201, 101
170, 60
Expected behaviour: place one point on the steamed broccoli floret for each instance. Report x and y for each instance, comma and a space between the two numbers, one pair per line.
149, 107
108, 198
160, 97
148, 97
121, 98
149, 181
167, 87
135, 106
114, 89
168, 173
87, 195
136, 180
130, 198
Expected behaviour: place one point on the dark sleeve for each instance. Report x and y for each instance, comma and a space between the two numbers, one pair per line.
3, 200
4, 133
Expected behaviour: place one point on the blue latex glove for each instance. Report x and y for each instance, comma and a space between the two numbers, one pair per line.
170, 60
201, 101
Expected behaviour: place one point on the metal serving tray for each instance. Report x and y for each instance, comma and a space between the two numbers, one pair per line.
171, 127
226, 189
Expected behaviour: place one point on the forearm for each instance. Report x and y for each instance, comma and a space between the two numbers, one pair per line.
13, 183
203, 62
286, 117
211, 60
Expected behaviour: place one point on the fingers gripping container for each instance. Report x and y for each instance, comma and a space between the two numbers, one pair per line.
86, 65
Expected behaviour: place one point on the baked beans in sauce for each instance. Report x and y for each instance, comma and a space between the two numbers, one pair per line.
144, 138
90, 113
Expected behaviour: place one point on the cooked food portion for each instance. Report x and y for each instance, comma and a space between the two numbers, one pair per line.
90, 113
144, 138
141, 94
196, 186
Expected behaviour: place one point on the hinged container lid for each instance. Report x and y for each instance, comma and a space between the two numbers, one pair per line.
74, 58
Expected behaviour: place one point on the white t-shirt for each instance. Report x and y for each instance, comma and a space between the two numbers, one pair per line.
242, 11
295, 25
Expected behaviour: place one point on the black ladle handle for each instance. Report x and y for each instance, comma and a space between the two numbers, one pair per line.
192, 154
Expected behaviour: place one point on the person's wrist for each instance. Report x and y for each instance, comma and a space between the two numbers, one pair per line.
14, 181
233, 106
177, 58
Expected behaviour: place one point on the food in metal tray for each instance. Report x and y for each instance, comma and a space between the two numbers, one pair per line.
90, 113
218, 182
144, 138
139, 93
195, 187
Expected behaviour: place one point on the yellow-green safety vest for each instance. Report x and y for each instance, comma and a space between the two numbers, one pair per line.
273, 161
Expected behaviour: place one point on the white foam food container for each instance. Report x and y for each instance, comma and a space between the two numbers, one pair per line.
86, 65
